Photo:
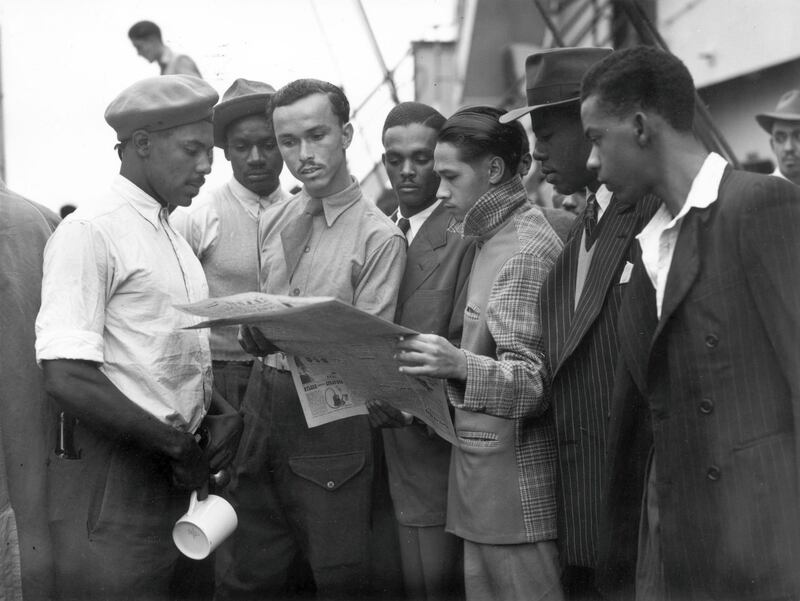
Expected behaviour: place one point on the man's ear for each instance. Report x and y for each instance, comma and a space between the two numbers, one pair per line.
142, 143
225, 152
383, 159
642, 128
497, 169
347, 135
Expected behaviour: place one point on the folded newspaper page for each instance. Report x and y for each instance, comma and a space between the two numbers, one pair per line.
340, 357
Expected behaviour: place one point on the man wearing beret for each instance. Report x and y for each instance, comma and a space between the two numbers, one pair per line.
222, 226
306, 492
783, 127
132, 385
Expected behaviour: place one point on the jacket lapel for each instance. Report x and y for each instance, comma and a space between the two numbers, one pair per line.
421, 257
685, 265
558, 292
611, 250
636, 324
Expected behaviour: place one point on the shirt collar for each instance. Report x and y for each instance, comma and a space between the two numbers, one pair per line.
144, 204
336, 204
415, 221
779, 173
702, 194
492, 209
603, 198
252, 201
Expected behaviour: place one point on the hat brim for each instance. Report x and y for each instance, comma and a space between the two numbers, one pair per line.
515, 114
229, 111
765, 120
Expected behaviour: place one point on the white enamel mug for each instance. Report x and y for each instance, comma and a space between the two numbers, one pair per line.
204, 526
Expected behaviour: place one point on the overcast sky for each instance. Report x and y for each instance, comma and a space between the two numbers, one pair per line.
63, 61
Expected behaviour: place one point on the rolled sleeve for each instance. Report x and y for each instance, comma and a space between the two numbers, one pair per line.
75, 284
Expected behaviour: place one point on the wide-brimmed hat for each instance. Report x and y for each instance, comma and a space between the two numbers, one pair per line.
159, 103
553, 77
788, 109
242, 99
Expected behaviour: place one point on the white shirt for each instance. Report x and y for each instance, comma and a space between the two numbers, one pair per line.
113, 272
659, 236
603, 198
415, 221
779, 173
222, 229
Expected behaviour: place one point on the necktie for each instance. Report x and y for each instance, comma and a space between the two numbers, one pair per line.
297, 234
404, 225
590, 221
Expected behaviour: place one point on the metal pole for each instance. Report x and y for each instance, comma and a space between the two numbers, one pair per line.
550, 25
2, 128
387, 75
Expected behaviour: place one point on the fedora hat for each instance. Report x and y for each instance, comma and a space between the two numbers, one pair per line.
788, 109
243, 98
553, 77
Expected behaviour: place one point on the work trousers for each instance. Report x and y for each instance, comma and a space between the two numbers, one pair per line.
111, 516
301, 494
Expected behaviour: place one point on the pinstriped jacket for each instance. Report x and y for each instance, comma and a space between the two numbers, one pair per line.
506, 374
718, 378
581, 346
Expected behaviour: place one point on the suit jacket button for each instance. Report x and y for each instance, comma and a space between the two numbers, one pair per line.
713, 473
706, 406
712, 340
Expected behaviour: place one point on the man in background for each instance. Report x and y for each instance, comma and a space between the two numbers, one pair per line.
146, 38
580, 302
431, 300
26, 440
305, 493
783, 127
221, 226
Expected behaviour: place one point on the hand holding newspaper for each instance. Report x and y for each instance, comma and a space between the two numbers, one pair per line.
340, 357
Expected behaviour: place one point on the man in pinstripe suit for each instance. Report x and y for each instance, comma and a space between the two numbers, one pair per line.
579, 303
709, 351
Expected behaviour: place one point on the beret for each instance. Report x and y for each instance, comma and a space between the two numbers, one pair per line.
244, 98
159, 103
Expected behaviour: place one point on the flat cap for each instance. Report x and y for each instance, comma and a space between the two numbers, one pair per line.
244, 98
159, 103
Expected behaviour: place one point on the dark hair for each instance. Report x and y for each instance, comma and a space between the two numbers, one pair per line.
144, 29
302, 88
646, 77
407, 113
477, 133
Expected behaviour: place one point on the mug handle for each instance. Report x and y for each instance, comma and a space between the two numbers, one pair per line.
192, 503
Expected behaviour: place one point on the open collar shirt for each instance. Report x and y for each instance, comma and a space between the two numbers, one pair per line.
113, 273
221, 226
659, 237
355, 253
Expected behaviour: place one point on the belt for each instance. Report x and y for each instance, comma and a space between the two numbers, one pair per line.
221, 363
276, 361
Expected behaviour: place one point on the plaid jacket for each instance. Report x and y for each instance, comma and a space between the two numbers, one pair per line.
507, 374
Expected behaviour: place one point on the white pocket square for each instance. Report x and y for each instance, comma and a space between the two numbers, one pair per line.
626, 273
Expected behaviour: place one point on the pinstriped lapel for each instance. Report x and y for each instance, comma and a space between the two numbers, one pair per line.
611, 250
421, 258
557, 294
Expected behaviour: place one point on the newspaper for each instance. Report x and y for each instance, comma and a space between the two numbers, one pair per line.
340, 357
